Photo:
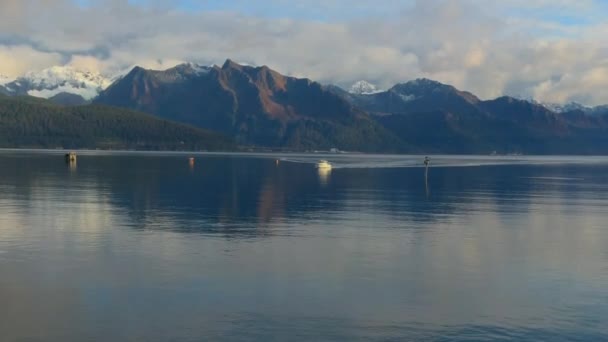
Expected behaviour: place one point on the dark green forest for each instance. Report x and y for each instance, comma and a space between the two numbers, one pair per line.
28, 122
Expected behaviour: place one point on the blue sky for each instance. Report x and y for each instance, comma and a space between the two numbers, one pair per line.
551, 50
564, 12
296, 9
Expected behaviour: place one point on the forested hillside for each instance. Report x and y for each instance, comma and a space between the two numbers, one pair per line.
37, 123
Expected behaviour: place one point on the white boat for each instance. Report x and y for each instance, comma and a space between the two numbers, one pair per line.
323, 164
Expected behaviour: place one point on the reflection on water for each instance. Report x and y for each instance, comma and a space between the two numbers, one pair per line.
324, 174
150, 247
73, 166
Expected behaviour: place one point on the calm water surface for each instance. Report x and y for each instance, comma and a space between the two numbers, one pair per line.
143, 247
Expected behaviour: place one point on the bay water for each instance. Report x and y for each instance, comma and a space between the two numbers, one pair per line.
127, 246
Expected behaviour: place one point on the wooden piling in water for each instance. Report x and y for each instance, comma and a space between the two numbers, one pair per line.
427, 162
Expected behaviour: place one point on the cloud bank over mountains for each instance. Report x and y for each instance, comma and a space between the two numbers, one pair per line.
553, 51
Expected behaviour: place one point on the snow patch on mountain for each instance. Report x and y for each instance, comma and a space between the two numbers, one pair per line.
556, 107
407, 97
199, 69
567, 107
363, 88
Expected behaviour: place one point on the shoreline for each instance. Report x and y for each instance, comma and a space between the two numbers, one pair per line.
90, 152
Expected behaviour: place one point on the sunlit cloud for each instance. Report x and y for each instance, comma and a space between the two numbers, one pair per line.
550, 50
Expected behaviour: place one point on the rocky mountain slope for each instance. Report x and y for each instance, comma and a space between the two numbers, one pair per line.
256, 105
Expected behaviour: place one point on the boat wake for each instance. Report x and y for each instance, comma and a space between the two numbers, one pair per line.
379, 161
556, 178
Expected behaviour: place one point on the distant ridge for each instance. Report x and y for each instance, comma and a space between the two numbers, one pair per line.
440, 118
68, 99
88, 84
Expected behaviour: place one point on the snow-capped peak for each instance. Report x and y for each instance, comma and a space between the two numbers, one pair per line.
198, 69
363, 88
59, 75
59, 79
564, 107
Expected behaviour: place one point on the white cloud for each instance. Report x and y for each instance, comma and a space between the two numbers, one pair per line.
514, 47
16, 60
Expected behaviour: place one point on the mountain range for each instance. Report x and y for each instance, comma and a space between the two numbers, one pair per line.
257, 106
441, 118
